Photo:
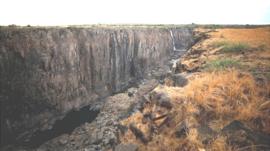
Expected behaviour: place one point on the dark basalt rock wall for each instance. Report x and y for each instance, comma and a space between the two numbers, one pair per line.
47, 72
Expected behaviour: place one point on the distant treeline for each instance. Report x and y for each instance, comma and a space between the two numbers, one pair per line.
193, 25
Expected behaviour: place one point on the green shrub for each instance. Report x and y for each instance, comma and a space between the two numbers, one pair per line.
231, 47
222, 64
236, 47
213, 26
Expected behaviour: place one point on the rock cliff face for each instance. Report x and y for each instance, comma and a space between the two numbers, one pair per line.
47, 72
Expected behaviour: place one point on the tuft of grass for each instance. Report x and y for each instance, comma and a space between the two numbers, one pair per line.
222, 64
262, 47
236, 47
219, 43
229, 94
232, 47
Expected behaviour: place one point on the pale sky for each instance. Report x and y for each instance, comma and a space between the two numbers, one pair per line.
75, 12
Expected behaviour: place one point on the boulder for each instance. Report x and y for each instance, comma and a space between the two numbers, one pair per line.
161, 99
179, 80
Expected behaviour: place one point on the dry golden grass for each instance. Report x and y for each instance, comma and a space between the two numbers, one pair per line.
219, 144
225, 93
230, 95
215, 98
252, 36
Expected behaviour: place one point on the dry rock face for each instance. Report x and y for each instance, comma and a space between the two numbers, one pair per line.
103, 133
46, 72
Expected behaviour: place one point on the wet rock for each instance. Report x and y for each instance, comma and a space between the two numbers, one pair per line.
126, 147
241, 135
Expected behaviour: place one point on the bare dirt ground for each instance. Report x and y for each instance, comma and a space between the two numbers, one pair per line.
224, 106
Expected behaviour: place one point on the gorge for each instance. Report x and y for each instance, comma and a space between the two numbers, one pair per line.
48, 73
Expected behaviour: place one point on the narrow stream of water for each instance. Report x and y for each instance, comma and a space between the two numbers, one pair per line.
174, 48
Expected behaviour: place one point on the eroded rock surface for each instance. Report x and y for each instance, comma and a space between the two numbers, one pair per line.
47, 72
102, 133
